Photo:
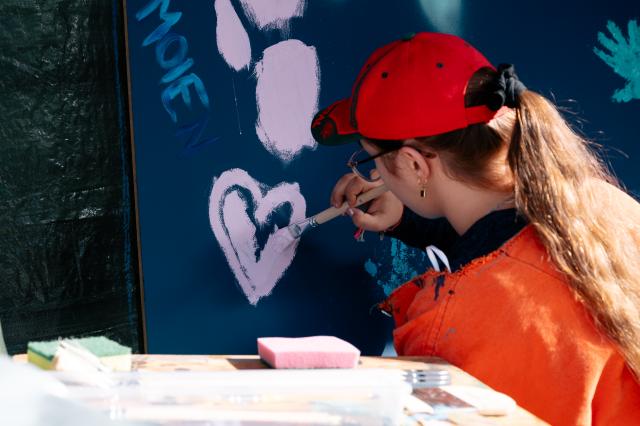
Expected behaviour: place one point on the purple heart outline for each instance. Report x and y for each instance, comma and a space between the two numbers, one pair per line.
236, 233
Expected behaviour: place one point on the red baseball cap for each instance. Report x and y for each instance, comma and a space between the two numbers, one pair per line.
413, 87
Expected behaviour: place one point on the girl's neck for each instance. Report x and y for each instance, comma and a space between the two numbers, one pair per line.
463, 206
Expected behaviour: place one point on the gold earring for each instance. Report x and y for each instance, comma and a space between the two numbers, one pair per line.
423, 190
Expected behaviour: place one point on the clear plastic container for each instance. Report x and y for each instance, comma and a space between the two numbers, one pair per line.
249, 397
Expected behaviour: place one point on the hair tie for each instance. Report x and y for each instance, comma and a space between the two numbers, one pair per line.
505, 90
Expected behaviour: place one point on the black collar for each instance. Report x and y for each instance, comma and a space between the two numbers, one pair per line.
485, 236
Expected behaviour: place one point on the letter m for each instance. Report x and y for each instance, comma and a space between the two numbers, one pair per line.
169, 18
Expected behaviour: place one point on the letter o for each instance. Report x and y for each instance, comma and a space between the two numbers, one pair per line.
163, 46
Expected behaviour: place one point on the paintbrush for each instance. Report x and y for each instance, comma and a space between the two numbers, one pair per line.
287, 236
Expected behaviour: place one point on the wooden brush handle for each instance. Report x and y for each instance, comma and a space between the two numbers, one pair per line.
333, 212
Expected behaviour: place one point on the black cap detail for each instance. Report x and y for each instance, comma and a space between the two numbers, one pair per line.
323, 128
325, 131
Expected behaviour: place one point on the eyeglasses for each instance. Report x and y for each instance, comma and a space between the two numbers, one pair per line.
363, 166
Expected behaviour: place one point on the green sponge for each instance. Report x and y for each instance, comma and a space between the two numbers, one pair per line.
111, 353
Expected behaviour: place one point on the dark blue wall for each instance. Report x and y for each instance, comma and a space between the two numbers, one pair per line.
191, 299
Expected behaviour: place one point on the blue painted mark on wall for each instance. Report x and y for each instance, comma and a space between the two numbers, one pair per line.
623, 58
395, 263
192, 134
371, 267
171, 52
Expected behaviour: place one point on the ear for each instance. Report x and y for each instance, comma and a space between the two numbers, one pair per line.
415, 162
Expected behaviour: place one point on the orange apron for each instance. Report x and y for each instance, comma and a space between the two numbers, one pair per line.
511, 320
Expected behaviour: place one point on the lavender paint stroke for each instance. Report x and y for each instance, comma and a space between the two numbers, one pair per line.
273, 14
231, 37
287, 98
236, 234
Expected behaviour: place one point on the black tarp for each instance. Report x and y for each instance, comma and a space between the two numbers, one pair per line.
67, 257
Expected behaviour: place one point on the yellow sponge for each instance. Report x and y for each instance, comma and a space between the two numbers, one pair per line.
111, 354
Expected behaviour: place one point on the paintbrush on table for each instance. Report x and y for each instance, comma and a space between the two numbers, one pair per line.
287, 236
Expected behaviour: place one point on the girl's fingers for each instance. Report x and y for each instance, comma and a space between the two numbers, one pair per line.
348, 188
376, 205
354, 188
337, 195
383, 212
364, 220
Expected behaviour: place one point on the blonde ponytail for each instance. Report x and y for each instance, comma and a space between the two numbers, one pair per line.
560, 186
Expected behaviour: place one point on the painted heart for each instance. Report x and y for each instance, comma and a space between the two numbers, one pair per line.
238, 207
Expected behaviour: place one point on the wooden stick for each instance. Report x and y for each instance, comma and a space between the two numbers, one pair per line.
333, 212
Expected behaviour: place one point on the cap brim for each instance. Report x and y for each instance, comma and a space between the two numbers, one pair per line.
332, 125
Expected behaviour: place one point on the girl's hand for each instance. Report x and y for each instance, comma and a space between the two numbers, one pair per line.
383, 212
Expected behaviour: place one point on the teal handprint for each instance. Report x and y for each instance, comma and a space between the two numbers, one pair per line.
624, 58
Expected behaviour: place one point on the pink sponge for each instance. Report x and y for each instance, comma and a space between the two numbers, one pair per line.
308, 352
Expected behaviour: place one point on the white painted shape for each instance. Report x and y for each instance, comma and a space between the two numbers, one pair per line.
231, 37
267, 14
236, 234
287, 97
